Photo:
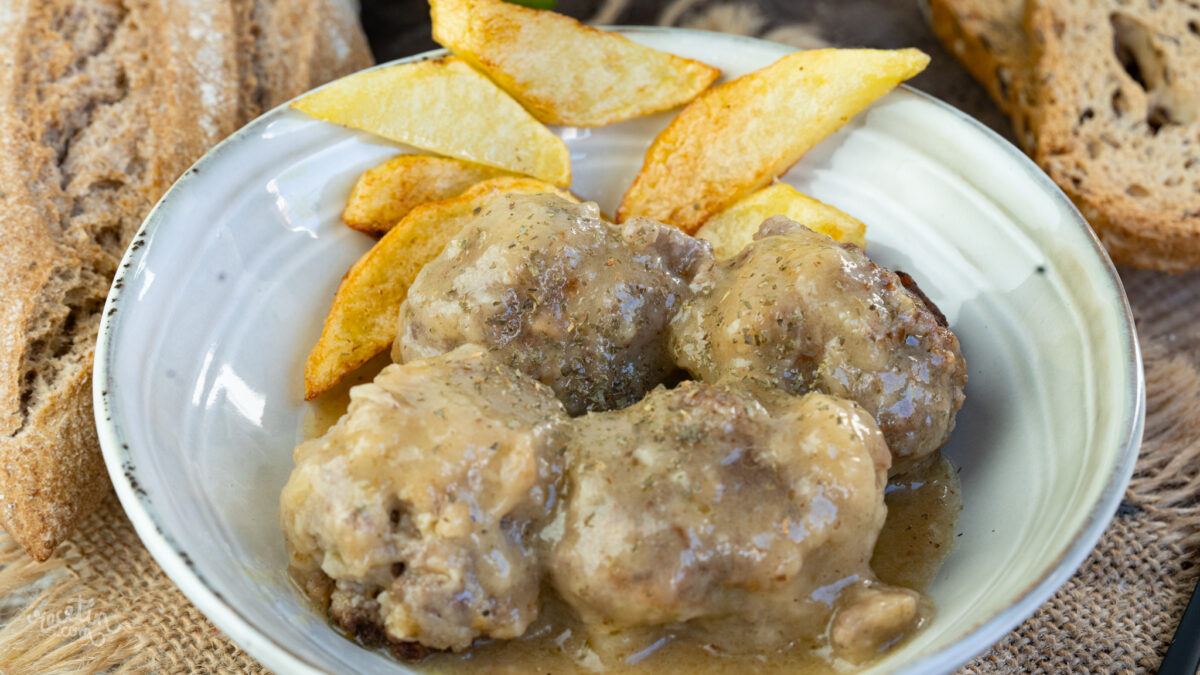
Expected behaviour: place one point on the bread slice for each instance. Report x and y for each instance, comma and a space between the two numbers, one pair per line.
103, 103
1117, 121
1104, 94
988, 37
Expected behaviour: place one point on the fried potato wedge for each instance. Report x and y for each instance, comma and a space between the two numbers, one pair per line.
362, 321
444, 106
563, 71
386, 193
738, 136
732, 229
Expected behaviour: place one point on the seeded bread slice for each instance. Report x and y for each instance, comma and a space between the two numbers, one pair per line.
103, 103
1117, 121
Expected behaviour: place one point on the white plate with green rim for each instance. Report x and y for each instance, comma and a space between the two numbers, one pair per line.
198, 373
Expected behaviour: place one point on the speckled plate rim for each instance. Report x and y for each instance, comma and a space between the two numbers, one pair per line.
175, 563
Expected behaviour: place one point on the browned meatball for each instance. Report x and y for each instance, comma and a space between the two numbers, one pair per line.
559, 294
797, 311
410, 516
700, 509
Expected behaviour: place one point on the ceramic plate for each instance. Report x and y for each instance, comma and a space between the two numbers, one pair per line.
198, 376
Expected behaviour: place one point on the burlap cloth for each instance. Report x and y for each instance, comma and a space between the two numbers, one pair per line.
102, 604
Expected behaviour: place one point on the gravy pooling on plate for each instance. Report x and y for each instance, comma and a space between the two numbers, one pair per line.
459, 506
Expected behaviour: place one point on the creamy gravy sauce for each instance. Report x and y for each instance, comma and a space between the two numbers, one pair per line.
920, 530
921, 524
556, 644
324, 412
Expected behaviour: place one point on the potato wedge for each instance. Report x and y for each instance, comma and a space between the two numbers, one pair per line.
563, 71
730, 230
386, 193
444, 106
738, 136
362, 321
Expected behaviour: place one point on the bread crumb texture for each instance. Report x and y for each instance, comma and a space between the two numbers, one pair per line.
1117, 122
103, 103
1105, 95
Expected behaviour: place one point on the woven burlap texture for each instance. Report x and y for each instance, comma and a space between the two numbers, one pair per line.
102, 604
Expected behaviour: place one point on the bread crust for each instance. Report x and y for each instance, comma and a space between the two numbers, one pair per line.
103, 103
988, 37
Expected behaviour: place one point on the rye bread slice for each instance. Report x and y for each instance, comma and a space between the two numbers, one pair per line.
1116, 122
103, 103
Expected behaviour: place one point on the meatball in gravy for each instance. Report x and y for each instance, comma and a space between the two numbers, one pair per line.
796, 311
559, 294
521, 479
748, 529
411, 518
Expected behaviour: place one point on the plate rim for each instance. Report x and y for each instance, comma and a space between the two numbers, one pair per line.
175, 562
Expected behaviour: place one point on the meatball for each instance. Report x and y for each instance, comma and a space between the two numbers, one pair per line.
559, 294
798, 312
413, 511
697, 505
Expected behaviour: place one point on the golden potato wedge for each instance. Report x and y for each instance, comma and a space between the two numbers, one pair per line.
738, 136
730, 230
362, 321
444, 106
563, 71
386, 193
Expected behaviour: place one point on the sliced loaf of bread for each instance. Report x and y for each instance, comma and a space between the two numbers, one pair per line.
103, 103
